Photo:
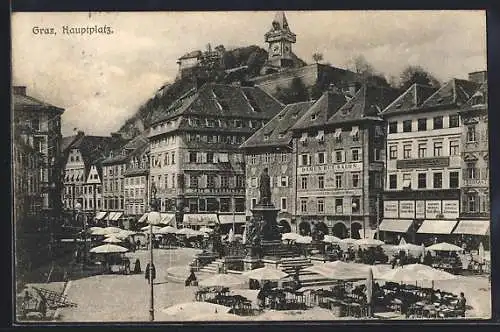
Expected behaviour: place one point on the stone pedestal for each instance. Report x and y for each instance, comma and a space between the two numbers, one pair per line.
270, 248
250, 263
267, 215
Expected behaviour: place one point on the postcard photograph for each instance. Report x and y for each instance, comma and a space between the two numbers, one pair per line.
250, 166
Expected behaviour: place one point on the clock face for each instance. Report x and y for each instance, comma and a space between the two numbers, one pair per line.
286, 48
275, 48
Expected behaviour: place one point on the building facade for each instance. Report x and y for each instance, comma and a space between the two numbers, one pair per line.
272, 147
340, 149
195, 164
423, 162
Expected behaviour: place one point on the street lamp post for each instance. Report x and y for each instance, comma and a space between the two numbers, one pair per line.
354, 205
151, 219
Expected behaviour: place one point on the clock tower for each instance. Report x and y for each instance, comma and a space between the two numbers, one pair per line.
280, 40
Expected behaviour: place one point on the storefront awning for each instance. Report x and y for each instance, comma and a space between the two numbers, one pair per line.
143, 218
110, 216
166, 218
228, 219
395, 225
473, 227
100, 215
117, 215
437, 227
200, 219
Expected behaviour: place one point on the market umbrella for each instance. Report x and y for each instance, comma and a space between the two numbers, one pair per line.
348, 240
402, 241
414, 248
111, 230
206, 230
290, 236
304, 240
444, 246
195, 233
331, 239
222, 280
369, 242
112, 239
369, 291
100, 231
108, 249
191, 308
415, 272
339, 270
265, 273
94, 228
481, 253
167, 230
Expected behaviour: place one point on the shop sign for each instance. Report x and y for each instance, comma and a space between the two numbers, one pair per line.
391, 209
451, 209
331, 169
420, 209
407, 209
424, 162
433, 209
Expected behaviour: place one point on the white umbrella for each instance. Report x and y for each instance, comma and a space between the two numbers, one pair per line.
112, 239
222, 280
94, 228
191, 308
369, 242
290, 236
348, 240
111, 230
265, 273
108, 249
444, 246
304, 240
339, 270
415, 272
331, 239
100, 231
195, 233
155, 229
206, 230
167, 230
230, 236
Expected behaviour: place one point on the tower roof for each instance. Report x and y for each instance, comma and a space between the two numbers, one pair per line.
280, 21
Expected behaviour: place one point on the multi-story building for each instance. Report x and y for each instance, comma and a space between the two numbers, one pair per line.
475, 207
340, 149
272, 147
195, 163
39, 125
83, 175
424, 163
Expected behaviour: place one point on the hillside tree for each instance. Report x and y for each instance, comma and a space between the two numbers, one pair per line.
417, 74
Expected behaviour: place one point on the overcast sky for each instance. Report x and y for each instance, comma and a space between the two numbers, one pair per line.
101, 80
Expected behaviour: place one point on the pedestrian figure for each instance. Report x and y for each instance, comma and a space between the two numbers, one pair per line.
150, 268
462, 304
191, 279
137, 266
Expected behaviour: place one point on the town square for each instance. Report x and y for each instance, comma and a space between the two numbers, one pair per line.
263, 172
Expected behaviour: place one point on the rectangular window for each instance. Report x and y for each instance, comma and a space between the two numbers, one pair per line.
303, 182
284, 158
393, 152
193, 181
422, 180
338, 205
254, 203
210, 181
393, 127
283, 204
438, 149
472, 203
454, 121
303, 205
240, 181
355, 154
192, 157
471, 134
338, 180
376, 154
393, 181
438, 122
438, 180
253, 183
321, 204
225, 204
253, 159
472, 171
406, 126
407, 151
321, 181
422, 150
454, 148
172, 158
407, 180
338, 156
284, 181
422, 124
355, 180
321, 157
239, 204
267, 158
356, 204
224, 181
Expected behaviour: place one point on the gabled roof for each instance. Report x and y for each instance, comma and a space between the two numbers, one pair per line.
455, 92
474, 102
411, 99
24, 102
219, 100
280, 19
278, 129
192, 54
123, 153
68, 141
95, 148
319, 113
366, 104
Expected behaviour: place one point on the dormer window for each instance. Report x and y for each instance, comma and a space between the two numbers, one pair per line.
266, 137
321, 136
314, 117
303, 138
338, 135
355, 133
281, 135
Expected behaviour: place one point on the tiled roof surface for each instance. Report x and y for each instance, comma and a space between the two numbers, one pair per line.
481, 92
319, 113
367, 103
67, 141
234, 101
122, 154
193, 54
96, 148
27, 102
454, 92
410, 99
278, 128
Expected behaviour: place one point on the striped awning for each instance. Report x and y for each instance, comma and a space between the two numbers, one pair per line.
437, 227
110, 216
395, 225
117, 215
228, 219
473, 227
100, 215
200, 219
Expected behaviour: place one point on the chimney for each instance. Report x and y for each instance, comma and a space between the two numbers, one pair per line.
19, 90
478, 76
81, 133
